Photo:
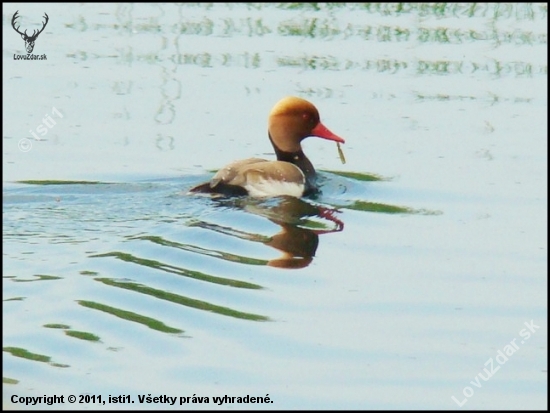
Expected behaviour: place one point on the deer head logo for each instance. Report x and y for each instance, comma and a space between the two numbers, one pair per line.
29, 40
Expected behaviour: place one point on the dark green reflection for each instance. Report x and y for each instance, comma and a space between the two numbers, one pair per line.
54, 182
85, 272
386, 208
367, 206
40, 277
358, 176
21, 352
179, 270
60, 326
130, 316
7, 380
182, 300
203, 251
82, 335
377, 207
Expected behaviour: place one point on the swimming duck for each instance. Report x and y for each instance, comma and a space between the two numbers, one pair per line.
291, 120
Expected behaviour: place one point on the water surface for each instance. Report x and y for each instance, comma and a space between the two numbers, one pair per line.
424, 256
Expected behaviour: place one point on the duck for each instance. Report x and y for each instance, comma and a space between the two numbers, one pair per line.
291, 120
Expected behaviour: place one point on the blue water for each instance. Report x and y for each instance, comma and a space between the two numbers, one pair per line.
424, 256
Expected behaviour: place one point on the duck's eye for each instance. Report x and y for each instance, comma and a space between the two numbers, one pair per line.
305, 116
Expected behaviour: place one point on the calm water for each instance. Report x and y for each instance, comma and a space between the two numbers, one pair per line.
418, 279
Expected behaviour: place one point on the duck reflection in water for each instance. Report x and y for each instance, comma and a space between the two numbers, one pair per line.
297, 242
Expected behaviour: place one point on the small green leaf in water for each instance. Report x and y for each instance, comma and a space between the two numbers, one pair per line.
386, 208
62, 326
359, 176
88, 272
59, 365
82, 335
7, 380
15, 299
341, 153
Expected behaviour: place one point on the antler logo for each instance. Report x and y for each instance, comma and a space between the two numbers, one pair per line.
29, 40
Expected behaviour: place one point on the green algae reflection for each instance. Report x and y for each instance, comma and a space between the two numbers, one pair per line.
179, 270
82, 335
8, 380
358, 176
130, 316
211, 253
54, 182
385, 208
40, 277
57, 326
23, 353
182, 300
367, 206
15, 299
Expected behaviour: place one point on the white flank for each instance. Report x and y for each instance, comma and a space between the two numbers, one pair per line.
269, 187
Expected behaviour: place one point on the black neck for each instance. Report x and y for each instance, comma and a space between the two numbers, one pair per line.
299, 159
